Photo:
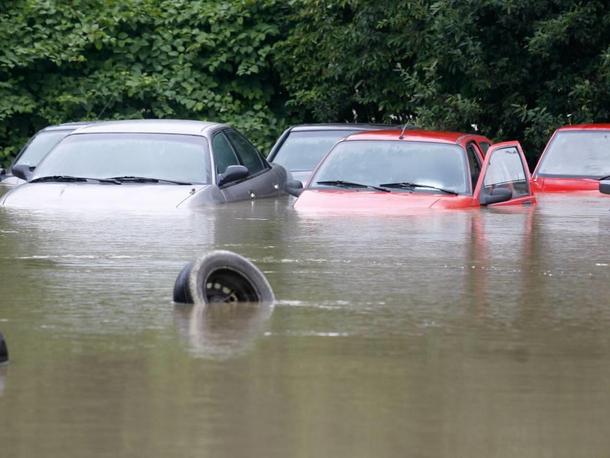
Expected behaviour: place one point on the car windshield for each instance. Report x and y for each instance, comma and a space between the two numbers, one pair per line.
577, 154
159, 156
303, 150
39, 146
376, 162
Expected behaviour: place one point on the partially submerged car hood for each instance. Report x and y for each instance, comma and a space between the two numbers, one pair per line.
342, 201
101, 196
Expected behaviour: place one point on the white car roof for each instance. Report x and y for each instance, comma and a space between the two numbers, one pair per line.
149, 126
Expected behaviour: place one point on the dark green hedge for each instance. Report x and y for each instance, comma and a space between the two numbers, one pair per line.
80, 60
515, 68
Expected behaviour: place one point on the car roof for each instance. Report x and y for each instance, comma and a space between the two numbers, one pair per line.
412, 135
66, 126
341, 126
589, 126
149, 126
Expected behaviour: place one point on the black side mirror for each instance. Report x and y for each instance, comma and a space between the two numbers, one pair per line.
232, 173
23, 171
604, 186
495, 196
294, 187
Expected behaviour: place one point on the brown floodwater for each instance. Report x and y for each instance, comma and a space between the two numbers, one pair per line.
457, 334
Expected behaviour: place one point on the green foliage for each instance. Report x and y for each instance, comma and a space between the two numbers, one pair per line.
82, 60
515, 68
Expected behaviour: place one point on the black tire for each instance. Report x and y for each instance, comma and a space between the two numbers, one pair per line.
182, 293
222, 276
3, 350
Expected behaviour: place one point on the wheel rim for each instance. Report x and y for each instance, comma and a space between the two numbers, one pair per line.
227, 285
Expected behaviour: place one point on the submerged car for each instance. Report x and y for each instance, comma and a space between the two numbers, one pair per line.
149, 164
575, 159
403, 172
37, 148
300, 148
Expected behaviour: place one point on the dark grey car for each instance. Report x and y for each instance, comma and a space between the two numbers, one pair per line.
300, 148
149, 165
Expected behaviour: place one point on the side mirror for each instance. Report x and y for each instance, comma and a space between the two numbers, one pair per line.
232, 173
23, 171
294, 187
2, 172
604, 186
495, 196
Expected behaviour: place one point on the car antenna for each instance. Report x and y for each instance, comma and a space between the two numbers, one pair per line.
402, 132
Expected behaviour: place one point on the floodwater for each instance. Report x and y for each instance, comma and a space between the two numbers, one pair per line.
457, 334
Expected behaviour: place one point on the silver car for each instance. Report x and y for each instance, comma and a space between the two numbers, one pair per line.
148, 164
36, 149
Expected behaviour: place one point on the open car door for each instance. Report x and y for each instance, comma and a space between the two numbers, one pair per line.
505, 177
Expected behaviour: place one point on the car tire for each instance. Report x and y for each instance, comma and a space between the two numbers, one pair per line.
222, 276
182, 293
3, 350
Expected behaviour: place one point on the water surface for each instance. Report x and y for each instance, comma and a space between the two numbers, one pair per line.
466, 333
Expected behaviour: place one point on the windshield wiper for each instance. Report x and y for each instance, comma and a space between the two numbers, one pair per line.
407, 185
132, 179
604, 178
71, 179
351, 184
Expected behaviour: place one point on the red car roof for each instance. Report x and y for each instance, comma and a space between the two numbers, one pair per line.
411, 135
590, 126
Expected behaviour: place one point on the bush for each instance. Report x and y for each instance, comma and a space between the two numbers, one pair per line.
516, 69
85, 60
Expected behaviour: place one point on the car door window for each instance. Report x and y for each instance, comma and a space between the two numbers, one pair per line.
484, 147
224, 155
474, 163
506, 170
247, 153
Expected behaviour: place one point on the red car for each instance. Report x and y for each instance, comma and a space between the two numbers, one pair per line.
575, 159
404, 172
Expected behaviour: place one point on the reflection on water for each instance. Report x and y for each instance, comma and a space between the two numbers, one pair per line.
220, 330
467, 333
2, 382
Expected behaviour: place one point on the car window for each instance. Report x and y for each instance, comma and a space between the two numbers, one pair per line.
474, 163
578, 154
301, 151
161, 156
375, 162
224, 155
39, 146
247, 153
484, 147
506, 170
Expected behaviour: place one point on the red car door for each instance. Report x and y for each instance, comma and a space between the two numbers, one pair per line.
505, 177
